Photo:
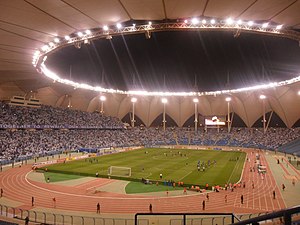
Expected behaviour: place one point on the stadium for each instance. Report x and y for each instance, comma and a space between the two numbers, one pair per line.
149, 112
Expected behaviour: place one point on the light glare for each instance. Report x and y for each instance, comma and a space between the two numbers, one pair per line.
67, 37
195, 100
102, 98
185, 21
105, 27
80, 34
204, 21
228, 99
88, 32
250, 23
195, 21
45, 47
133, 100
56, 40
262, 97
239, 22
164, 100
213, 21
119, 25
278, 27
229, 21
265, 25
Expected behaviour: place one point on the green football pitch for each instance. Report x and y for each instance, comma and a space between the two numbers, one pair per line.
174, 164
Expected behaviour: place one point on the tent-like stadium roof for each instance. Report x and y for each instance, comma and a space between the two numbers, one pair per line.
26, 25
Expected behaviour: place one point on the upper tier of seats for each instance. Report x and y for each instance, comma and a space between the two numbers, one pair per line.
51, 117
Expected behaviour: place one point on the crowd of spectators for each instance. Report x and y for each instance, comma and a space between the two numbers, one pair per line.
16, 144
52, 117
72, 130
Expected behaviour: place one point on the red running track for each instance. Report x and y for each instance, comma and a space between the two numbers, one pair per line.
17, 187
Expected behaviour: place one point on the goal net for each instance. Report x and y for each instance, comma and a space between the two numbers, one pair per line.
119, 171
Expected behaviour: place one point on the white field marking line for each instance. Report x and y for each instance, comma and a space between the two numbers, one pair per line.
99, 185
234, 169
243, 168
94, 197
186, 175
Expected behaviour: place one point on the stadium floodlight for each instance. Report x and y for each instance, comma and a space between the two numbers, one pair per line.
212, 21
185, 21
204, 21
133, 100
228, 99
195, 21
278, 27
239, 22
229, 122
79, 34
265, 25
229, 21
133, 24
67, 37
56, 40
119, 26
51, 44
196, 100
45, 48
262, 97
250, 23
88, 32
164, 100
149, 23
102, 98
105, 28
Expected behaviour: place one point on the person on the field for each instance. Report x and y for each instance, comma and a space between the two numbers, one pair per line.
150, 208
203, 205
98, 208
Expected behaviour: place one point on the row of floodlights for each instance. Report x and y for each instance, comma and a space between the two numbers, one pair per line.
195, 100
193, 21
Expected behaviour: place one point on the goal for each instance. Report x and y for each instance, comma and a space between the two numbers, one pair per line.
119, 171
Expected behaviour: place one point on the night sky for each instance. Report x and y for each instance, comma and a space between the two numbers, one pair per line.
173, 60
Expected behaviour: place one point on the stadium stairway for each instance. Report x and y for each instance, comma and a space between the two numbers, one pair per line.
175, 137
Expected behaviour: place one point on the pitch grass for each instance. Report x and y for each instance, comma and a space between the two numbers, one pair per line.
139, 187
56, 177
149, 163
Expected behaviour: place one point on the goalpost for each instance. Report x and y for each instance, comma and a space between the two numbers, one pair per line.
119, 171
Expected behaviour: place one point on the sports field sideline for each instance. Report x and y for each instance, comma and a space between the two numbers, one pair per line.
174, 164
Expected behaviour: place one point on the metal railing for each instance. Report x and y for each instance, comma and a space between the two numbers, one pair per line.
62, 219
286, 214
189, 218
